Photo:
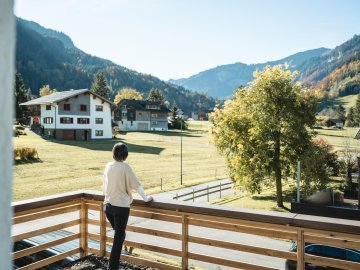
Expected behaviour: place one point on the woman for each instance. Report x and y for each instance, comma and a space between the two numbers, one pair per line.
119, 181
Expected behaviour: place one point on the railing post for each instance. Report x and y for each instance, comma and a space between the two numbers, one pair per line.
185, 243
193, 193
300, 250
208, 198
102, 231
220, 189
83, 229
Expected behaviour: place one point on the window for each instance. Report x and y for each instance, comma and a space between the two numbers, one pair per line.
48, 107
99, 108
66, 107
154, 123
48, 120
154, 107
66, 120
124, 114
83, 108
99, 120
154, 115
98, 133
83, 120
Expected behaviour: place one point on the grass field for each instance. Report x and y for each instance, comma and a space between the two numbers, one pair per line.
72, 165
346, 101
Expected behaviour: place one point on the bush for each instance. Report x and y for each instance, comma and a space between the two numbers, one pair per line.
25, 153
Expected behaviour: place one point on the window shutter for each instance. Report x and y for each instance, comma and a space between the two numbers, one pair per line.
87, 121
61, 120
71, 120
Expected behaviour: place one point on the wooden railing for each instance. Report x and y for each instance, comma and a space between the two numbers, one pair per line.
91, 224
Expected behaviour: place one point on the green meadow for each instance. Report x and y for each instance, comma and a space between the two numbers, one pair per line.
71, 165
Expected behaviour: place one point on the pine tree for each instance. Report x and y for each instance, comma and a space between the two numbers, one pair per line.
156, 95
350, 121
100, 86
21, 96
357, 111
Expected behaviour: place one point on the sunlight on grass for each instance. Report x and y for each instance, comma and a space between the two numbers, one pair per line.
72, 165
265, 201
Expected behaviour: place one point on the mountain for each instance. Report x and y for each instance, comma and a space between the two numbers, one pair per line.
314, 70
221, 81
45, 56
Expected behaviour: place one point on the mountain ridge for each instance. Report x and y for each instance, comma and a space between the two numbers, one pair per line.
43, 58
239, 74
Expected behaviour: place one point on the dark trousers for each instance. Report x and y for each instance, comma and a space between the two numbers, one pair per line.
118, 218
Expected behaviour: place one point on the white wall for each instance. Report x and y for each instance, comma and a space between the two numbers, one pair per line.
7, 56
105, 115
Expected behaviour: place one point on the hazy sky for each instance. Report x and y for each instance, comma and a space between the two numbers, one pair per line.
179, 38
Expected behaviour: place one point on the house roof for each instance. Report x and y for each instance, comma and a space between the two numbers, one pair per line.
336, 121
140, 105
60, 96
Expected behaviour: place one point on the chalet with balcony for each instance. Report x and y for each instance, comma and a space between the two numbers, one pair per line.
72, 115
142, 115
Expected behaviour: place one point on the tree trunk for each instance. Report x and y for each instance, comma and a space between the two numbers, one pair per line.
277, 170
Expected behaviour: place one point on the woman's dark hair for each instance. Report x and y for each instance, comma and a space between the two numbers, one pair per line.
120, 152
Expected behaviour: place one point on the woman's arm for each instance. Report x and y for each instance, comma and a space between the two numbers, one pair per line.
142, 193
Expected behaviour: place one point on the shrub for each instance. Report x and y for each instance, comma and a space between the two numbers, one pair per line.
25, 153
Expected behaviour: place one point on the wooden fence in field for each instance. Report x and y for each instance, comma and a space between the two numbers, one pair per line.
300, 228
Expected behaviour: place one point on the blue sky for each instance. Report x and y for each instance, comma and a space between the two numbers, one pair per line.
179, 38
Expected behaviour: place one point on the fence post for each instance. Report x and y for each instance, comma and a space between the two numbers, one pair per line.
185, 244
83, 229
300, 250
177, 196
208, 193
102, 231
220, 190
193, 195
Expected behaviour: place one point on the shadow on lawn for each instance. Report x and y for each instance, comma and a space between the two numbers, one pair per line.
107, 145
173, 133
27, 161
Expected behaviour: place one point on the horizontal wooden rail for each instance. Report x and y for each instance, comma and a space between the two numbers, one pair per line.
46, 213
262, 231
335, 263
45, 208
225, 262
242, 247
316, 239
50, 260
40, 247
153, 232
46, 230
152, 215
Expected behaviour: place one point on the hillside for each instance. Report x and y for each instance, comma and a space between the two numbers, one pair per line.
45, 56
313, 66
223, 80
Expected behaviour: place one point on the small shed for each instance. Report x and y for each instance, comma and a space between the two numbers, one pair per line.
335, 122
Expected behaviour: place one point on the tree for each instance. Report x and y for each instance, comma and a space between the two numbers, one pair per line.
262, 131
176, 121
157, 95
100, 86
350, 121
127, 93
340, 112
46, 90
21, 96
